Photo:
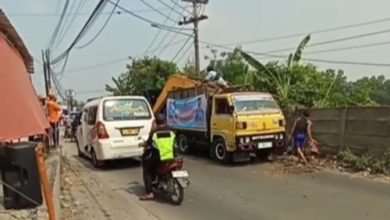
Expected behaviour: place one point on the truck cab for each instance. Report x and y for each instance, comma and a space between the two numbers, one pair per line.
243, 123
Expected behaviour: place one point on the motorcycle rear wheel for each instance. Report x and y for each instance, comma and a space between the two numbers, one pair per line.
176, 193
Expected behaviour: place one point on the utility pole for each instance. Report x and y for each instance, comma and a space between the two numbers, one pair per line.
70, 96
195, 20
45, 73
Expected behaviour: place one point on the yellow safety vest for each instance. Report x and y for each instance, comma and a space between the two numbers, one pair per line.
165, 141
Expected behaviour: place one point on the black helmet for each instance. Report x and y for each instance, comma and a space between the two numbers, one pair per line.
210, 68
160, 119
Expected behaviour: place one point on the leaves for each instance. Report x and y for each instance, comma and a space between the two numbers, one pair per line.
142, 74
298, 53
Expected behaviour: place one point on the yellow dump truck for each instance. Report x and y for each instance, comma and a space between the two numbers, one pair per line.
232, 123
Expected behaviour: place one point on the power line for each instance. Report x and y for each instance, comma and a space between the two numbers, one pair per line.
168, 33
349, 48
185, 53
58, 26
101, 29
92, 18
305, 59
182, 48
173, 8
343, 27
81, 13
159, 31
70, 23
325, 61
120, 59
180, 6
156, 10
145, 19
335, 40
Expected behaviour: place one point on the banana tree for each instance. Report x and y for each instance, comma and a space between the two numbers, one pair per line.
280, 80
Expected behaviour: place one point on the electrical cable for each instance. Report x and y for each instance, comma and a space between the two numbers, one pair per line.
166, 36
348, 48
185, 52
353, 37
181, 48
173, 8
343, 27
159, 31
156, 10
58, 26
305, 59
146, 19
182, 7
81, 4
101, 29
83, 31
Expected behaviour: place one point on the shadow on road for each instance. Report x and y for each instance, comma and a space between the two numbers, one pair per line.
203, 157
111, 165
137, 189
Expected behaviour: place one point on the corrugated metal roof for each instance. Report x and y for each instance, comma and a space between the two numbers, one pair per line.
12, 35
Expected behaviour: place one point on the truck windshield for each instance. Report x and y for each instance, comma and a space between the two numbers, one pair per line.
125, 109
249, 104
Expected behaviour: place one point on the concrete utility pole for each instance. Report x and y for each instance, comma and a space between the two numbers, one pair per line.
46, 70
195, 20
45, 75
70, 96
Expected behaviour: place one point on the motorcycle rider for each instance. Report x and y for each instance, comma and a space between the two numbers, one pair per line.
159, 149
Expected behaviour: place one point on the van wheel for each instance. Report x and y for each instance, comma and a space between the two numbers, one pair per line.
182, 143
220, 151
95, 162
79, 153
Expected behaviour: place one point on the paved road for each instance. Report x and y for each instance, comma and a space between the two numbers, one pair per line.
251, 191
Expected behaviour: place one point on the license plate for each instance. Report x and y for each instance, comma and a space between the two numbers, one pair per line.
180, 173
264, 145
129, 131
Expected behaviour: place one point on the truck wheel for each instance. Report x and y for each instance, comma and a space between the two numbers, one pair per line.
182, 143
220, 152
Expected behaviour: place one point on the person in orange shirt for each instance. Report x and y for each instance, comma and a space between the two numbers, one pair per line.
54, 111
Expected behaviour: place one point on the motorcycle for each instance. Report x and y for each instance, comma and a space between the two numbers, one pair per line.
171, 180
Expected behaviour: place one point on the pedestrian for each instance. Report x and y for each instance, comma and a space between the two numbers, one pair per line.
301, 132
54, 111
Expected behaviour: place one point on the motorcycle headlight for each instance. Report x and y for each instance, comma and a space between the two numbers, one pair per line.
281, 136
241, 140
247, 140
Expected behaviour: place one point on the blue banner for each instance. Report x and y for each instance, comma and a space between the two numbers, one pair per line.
187, 113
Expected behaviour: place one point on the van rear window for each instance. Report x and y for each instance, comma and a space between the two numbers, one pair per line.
125, 109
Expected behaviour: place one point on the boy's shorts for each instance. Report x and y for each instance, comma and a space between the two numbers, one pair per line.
299, 141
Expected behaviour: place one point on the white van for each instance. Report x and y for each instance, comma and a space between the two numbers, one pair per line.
111, 128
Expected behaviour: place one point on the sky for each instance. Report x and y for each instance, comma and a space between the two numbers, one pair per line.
230, 22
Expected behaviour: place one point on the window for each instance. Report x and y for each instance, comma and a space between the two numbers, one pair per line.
222, 106
126, 109
92, 112
255, 103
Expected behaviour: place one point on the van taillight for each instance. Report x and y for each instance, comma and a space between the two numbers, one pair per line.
101, 131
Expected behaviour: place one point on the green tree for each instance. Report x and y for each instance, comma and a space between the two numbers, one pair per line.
279, 79
141, 75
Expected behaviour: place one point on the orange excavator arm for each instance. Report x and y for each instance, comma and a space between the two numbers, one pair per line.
174, 82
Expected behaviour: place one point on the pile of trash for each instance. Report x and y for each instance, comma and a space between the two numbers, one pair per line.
288, 163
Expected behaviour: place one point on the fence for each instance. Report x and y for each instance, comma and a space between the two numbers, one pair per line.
362, 129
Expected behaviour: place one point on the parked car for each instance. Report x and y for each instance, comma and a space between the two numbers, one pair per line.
111, 128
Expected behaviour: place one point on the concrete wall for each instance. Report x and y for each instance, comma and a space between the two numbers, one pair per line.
362, 129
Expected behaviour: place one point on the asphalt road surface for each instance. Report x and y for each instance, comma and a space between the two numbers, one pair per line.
249, 191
